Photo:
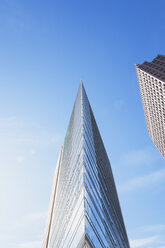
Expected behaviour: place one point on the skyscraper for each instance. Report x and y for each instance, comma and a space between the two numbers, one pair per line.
151, 76
84, 209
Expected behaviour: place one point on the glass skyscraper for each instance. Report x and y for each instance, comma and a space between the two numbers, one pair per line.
84, 209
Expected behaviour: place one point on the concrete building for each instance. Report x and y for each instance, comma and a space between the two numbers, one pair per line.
151, 76
84, 208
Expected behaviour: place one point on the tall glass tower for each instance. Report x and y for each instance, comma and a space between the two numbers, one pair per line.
84, 209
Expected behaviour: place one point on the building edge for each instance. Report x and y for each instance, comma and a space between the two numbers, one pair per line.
45, 242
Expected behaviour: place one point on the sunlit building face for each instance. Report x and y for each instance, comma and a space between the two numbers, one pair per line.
151, 76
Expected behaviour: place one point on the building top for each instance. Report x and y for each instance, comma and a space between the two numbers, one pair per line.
156, 68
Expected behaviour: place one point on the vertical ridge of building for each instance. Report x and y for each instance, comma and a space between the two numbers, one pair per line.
52, 202
86, 213
96, 147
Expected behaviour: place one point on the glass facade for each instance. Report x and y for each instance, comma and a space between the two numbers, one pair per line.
86, 212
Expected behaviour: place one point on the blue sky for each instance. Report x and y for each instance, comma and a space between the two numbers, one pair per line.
46, 48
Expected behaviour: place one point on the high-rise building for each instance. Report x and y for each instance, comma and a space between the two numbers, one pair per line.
84, 209
151, 76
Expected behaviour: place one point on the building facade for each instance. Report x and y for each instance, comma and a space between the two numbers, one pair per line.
84, 209
151, 77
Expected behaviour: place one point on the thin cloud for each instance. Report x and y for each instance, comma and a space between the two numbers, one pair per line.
32, 152
26, 232
33, 244
8, 121
20, 159
153, 228
150, 230
143, 181
36, 216
32, 218
139, 157
143, 242
14, 131
118, 104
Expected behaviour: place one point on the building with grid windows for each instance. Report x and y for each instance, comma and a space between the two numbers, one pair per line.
84, 209
151, 76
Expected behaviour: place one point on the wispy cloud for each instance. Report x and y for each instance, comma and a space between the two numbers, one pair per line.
20, 159
36, 216
144, 181
9, 121
26, 232
32, 218
143, 242
19, 141
33, 244
150, 230
32, 152
153, 228
139, 157
14, 131
118, 104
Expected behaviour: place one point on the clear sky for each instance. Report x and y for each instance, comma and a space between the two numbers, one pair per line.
46, 48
